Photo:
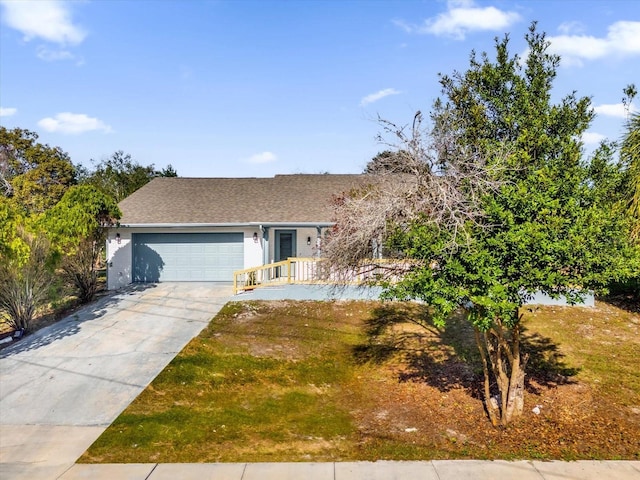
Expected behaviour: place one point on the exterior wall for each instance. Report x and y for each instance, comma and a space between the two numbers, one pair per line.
540, 298
120, 255
252, 249
302, 249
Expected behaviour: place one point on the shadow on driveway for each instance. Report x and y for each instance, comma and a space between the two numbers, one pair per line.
70, 325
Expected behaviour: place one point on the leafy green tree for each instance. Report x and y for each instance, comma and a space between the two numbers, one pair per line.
511, 209
630, 153
11, 218
26, 267
77, 226
34, 175
119, 175
552, 226
167, 171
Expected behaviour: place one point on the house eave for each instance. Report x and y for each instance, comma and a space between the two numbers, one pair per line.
226, 225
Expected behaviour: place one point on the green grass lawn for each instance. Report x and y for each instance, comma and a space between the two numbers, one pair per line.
331, 381
248, 382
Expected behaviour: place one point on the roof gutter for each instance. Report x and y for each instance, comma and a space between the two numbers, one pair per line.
293, 224
227, 225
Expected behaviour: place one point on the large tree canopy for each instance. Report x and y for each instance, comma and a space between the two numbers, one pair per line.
630, 153
498, 204
119, 175
34, 175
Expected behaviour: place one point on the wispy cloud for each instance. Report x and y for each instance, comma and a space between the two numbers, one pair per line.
463, 17
7, 111
623, 39
570, 28
617, 110
592, 138
49, 55
264, 157
73, 123
374, 97
48, 20
407, 27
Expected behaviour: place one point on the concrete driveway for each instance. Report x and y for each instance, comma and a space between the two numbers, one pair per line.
61, 387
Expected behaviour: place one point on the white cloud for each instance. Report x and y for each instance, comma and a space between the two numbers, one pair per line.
374, 97
592, 138
462, 17
568, 28
49, 20
264, 157
404, 26
7, 111
623, 38
49, 55
73, 123
617, 110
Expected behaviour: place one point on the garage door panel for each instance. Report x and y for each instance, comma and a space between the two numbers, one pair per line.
187, 257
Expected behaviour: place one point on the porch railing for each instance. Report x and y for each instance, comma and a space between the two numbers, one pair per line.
304, 270
291, 270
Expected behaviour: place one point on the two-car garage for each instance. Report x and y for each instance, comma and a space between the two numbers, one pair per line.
187, 257
204, 229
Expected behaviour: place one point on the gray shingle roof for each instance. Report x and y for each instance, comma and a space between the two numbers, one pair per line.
283, 198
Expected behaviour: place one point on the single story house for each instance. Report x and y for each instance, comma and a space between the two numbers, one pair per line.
204, 229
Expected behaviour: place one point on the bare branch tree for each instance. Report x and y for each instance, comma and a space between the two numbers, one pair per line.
424, 180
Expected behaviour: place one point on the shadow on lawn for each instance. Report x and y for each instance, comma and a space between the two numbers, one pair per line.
447, 357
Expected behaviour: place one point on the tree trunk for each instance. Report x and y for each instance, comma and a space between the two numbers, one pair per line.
493, 410
515, 399
503, 366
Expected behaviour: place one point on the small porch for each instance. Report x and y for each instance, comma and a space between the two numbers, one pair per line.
303, 271
311, 292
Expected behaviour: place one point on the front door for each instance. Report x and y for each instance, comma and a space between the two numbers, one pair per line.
285, 244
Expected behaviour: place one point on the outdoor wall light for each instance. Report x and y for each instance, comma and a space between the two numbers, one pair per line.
118, 239
255, 237
308, 240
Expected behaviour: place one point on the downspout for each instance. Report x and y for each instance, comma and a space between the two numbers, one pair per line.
265, 244
318, 242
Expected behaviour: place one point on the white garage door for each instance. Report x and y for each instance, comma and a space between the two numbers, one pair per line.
187, 257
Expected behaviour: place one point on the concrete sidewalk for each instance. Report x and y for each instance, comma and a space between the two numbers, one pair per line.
382, 470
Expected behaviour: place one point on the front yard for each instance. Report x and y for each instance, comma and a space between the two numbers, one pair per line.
337, 381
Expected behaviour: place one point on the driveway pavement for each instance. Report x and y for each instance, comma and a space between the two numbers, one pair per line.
61, 387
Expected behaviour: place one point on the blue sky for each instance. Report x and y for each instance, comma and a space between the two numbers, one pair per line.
256, 88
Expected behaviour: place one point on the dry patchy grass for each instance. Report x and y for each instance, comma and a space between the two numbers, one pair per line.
335, 381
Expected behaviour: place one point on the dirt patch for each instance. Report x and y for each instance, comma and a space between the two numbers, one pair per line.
424, 387
382, 383
428, 396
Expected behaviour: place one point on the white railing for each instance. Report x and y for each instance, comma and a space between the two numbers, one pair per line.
291, 270
310, 270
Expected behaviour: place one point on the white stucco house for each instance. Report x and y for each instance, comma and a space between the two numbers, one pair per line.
204, 229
